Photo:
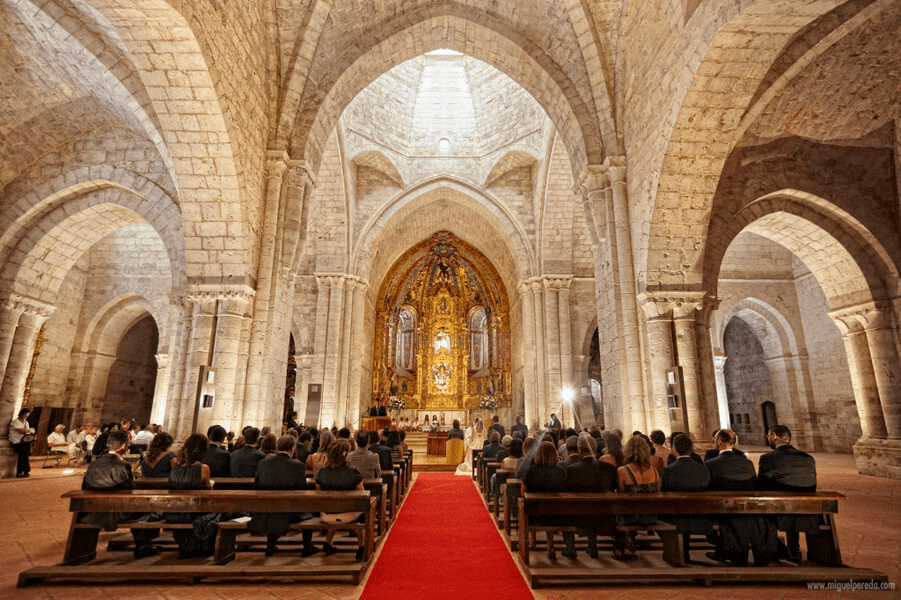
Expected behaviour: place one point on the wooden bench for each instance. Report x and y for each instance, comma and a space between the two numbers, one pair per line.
81, 546
823, 547
377, 488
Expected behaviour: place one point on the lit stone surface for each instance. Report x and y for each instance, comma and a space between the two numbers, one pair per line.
188, 186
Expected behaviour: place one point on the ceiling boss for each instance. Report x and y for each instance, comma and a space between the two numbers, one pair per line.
442, 329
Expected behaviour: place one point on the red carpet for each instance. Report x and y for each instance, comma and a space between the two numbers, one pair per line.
444, 545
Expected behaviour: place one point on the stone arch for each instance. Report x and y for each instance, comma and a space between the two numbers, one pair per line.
377, 161
756, 75
96, 352
48, 196
434, 28
509, 161
847, 260
104, 330
770, 326
94, 53
37, 260
206, 171
481, 217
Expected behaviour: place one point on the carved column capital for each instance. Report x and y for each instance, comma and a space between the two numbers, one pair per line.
26, 305
675, 305
616, 169
556, 282
869, 315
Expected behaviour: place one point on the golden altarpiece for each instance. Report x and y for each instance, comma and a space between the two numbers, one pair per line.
442, 328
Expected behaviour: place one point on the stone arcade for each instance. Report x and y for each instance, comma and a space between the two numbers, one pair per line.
211, 199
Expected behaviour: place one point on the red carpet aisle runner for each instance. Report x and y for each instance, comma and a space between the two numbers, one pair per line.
444, 545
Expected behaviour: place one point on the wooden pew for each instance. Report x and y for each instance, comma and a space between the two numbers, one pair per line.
376, 487
81, 546
512, 492
823, 547
501, 476
476, 456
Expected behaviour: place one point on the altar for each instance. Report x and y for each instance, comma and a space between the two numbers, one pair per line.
445, 417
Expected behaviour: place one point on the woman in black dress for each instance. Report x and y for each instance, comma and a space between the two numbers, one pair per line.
337, 474
189, 473
157, 460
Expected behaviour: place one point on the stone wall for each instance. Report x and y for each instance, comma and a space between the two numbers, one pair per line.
836, 410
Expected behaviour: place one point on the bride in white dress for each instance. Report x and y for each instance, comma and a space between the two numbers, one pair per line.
473, 438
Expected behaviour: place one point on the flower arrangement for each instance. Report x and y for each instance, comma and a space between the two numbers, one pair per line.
396, 403
487, 403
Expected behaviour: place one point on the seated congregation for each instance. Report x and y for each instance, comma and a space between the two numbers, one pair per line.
301, 459
595, 462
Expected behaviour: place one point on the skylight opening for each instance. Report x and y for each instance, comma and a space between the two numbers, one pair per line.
444, 52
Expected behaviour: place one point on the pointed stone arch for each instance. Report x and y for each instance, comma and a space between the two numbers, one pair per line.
305, 129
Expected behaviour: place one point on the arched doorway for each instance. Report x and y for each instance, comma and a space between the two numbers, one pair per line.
768, 410
747, 381
596, 389
442, 332
130, 385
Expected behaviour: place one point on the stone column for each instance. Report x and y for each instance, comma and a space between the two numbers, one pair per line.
544, 409
660, 349
886, 367
10, 313
344, 372
258, 379
21, 352
566, 357
178, 363
529, 367
722, 396
200, 340
863, 380
684, 311
330, 383
231, 310
160, 388
631, 351
95, 378
356, 354
552, 350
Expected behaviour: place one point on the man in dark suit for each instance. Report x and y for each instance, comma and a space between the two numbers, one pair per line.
110, 472
587, 475
292, 421
243, 461
362, 459
386, 462
686, 475
281, 472
787, 468
493, 447
572, 452
377, 410
496, 426
731, 470
217, 458
518, 426
304, 447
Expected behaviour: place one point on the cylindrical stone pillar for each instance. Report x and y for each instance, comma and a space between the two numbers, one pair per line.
160, 387
887, 372
231, 310
687, 349
552, 350
530, 397
863, 381
178, 364
14, 378
540, 365
9, 321
722, 396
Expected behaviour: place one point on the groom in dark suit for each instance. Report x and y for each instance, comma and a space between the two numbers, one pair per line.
281, 472
730, 470
685, 474
787, 468
377, 410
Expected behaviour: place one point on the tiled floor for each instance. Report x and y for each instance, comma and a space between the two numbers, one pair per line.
34, 522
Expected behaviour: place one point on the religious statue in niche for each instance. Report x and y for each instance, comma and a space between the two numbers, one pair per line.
442, 375
442, 341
